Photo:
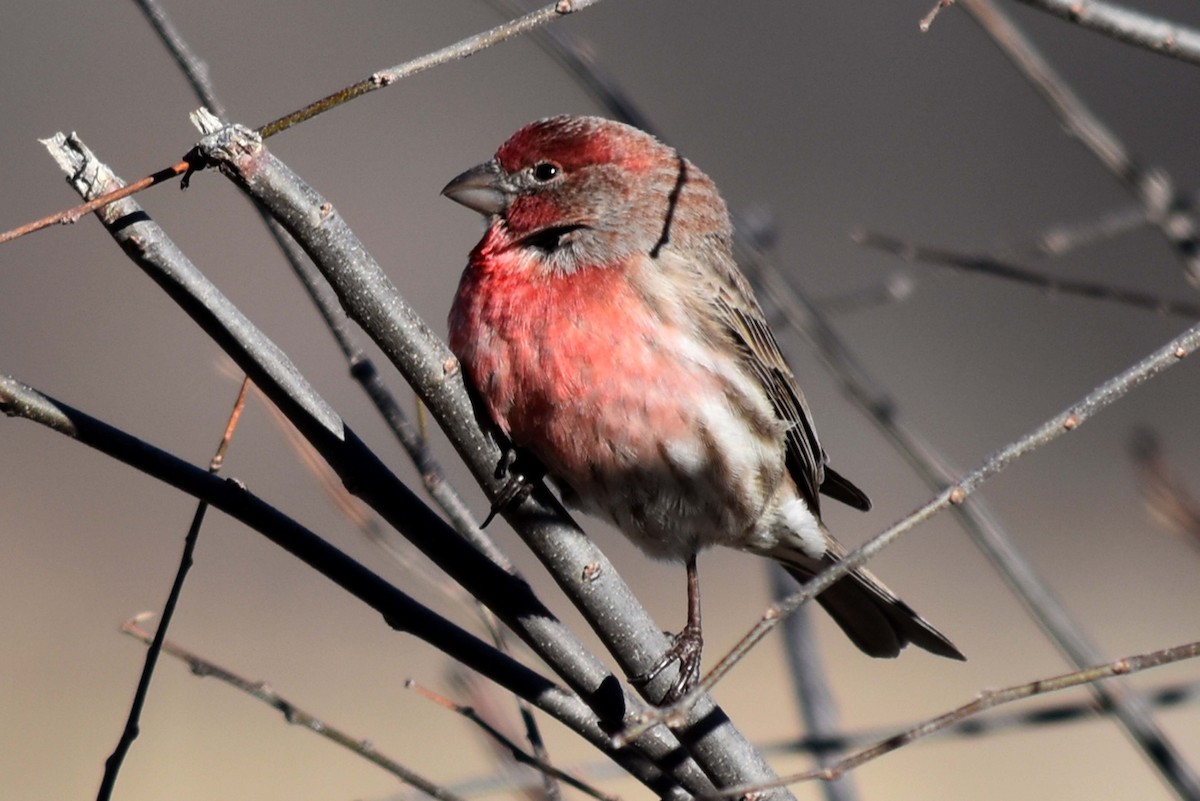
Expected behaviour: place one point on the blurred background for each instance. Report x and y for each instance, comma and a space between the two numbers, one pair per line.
827, 116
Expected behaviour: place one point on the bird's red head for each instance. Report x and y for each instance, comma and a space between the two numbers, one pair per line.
587, 190
572, 143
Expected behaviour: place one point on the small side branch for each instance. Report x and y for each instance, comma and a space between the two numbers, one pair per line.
510, 598
579, 568
1166, 208
378, 80
112, 766
515, 751
291, 712
455, 52
992, 267
1127, 25
986, 700
1066, 421
398, 609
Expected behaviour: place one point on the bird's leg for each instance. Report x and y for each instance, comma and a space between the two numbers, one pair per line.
687, 647
520, 473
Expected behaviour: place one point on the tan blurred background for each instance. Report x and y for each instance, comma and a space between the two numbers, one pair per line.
830, 115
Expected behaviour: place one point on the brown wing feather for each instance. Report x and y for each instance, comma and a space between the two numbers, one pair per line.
724, 300
762, 357
742, 319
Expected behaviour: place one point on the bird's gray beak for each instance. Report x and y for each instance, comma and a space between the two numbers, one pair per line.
481, 188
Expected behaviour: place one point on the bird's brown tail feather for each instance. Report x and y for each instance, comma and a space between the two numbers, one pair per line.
874, 619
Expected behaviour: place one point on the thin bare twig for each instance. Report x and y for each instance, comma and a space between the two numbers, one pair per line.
514, 750
72, 215
986, 700
1063, 238
578, 58
1168, 209
927, 20
455, 52
756, 235
194, 69
993, 267
1167, 695
578, 567
982, 525
378, 80
1127, 25
896, 288
1065, 421
1089, 709
551, 789
486, 704
361, 469
362, 369
112, 766
292, 713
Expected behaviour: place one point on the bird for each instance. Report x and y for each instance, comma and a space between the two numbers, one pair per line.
604, 328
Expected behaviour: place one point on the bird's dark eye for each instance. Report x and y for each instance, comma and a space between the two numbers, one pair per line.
545, 171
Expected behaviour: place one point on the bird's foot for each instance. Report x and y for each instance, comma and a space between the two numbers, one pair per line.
686, 649
520, 473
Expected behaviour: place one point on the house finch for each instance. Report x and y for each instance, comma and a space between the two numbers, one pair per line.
606, 329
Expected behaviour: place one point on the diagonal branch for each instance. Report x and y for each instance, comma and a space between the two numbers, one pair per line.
998, 268
292, 713
399, 610
361, 367
193, 68
1065, 421
514, 751
986, 700
1166, 207
361, 470
984, 528
576, 564
460, 50
1127, 25
112, 766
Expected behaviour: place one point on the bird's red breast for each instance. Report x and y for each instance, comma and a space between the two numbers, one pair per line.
577, 367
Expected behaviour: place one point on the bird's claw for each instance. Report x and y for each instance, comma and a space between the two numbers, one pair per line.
515, 490
517, 484
686, 649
